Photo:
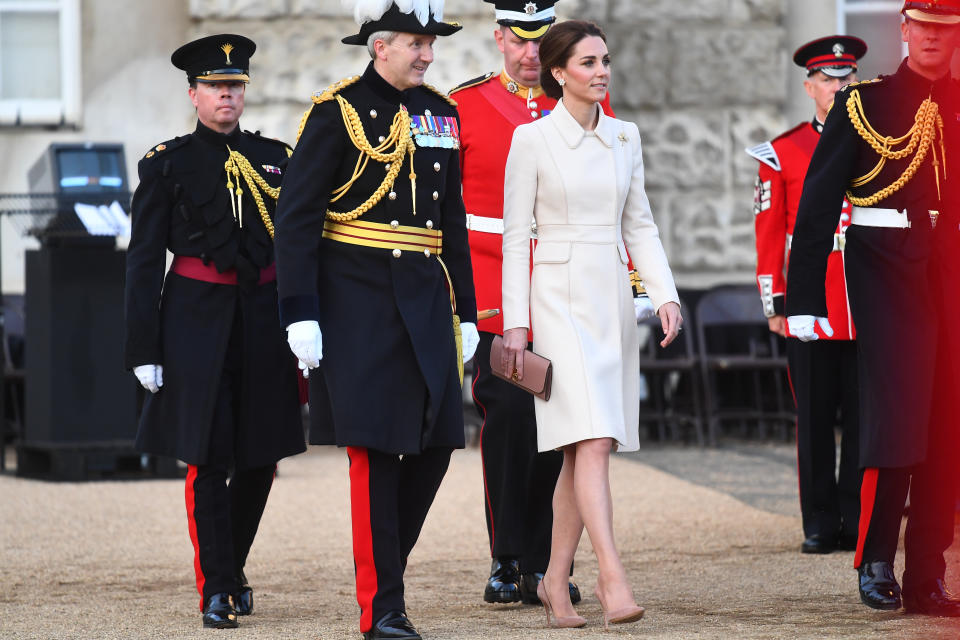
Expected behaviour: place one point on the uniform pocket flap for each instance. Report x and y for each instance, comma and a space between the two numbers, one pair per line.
551, 253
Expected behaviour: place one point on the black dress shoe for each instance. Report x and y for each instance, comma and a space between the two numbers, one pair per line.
528, 589
393, 624
503, 585
819, 543
243, 598
931, 599
219, 612
878, 586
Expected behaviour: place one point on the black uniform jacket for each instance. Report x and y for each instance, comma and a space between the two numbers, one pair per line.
888, 270
388, 378
182, 205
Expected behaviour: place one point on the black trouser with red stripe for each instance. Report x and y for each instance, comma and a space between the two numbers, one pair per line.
389, 499
518, 481
823, 375
223, 515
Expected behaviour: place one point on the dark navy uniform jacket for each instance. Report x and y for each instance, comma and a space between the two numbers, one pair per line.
889, 271
182, 205
388, 379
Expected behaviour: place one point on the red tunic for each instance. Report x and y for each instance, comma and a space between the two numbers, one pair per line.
783, 167
488, 115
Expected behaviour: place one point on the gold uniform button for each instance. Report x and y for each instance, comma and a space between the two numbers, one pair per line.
436, 166
394, 224
373, 113
387, 166
429, 224
392, 195
396, 253
426, 252
381, 138
435, 195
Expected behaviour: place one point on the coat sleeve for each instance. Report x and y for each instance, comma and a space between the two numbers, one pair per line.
821, 204
641, 236
770, 222
519, 199
301, 209
146, 264
456, 247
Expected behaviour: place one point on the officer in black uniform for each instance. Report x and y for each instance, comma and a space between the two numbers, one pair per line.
206, 340
372, 255
884, 145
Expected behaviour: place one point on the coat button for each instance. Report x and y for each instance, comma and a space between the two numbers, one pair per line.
436, 166
426, 112
533, 105
429, 224
534, 114
373, 113
396, 253
381, 138
387, 166
394, 224
426, 252
392, 195
435, 195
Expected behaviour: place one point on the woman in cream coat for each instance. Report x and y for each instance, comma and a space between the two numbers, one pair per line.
579, 174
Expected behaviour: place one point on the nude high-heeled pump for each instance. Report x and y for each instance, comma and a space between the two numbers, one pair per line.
566, 622
619, 616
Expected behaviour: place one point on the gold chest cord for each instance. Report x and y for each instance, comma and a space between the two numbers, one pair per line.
237, 166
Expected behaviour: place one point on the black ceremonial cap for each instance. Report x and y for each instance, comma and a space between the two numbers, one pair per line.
528, 19
223, 57
836, 56
393, 19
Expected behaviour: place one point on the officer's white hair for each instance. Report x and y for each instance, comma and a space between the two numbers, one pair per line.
369, 10
386, 36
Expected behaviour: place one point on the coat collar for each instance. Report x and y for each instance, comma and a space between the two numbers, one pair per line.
571, 131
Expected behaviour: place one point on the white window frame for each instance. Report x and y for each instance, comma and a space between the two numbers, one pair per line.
67, 110
846, 8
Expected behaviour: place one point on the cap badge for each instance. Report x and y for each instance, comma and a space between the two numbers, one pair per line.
227, 48
838, 50
530, 8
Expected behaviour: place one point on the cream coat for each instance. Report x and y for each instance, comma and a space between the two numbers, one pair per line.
585, 192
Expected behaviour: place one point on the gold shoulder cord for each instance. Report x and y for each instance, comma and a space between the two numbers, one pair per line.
927, 128
237, 166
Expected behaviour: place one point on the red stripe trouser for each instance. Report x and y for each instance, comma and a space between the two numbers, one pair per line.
389, 499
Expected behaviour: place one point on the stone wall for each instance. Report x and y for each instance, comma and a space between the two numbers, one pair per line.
703, 79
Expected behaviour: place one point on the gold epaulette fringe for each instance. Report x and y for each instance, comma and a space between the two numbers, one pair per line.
442, 95
324, 96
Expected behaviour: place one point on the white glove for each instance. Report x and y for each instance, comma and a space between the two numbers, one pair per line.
150, 376
803, 327
470, 337
643, 308
306, 343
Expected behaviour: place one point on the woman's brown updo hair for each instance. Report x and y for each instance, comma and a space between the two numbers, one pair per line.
557, 46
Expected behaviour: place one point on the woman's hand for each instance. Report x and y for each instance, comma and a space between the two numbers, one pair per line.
670, 320
514, 345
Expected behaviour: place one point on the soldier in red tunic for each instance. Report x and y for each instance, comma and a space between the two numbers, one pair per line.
518, 481
823, 374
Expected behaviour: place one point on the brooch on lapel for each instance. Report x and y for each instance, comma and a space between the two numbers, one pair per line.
622, 137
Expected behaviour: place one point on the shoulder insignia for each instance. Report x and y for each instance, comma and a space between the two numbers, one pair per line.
440, 94
333, 89
853, 85
472, 83
167, 146
766, 154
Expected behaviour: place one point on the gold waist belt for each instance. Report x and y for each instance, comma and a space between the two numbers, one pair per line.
385, 236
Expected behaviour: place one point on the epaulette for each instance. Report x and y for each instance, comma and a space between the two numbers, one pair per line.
766, 154
854, 85
440, 94
333, 89
166, 147
472, 83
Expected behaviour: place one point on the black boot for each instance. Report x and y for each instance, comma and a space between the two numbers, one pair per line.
243, 598
219, 612
878, 586
503, 585
932, 599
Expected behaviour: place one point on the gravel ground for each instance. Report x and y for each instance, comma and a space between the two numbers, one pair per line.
710, 538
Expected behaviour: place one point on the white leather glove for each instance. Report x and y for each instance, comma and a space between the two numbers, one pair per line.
470, 337
803, 327
306, 343
643, 308
150, 376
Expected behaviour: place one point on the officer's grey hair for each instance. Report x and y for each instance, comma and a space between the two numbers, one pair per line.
386, 36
